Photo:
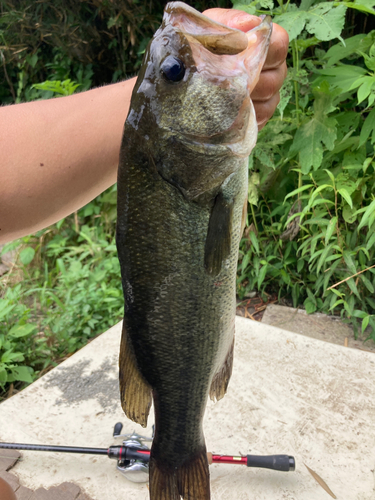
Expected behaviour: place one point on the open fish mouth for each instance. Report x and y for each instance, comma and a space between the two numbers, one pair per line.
232, 61
208, 38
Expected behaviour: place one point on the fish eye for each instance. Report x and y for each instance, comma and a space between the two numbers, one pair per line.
172, 69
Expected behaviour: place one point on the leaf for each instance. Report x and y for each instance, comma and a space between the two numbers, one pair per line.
365, 88
21, 330
323, 257
254, 241
343, 76
362, 5
349, 262
293, 22
299, 190
349, 214
367, 283
3, 375
5, 308
245, 261
9, 356
344, 193
367, 127
286, 93
312, 135
370, 210
250, 9
339, 51
353, 287
365, 323
309, 306
266, 4
22, 373
326, 21
262, 275
330, 229
322, 483
371, 241
253, 192
26, 255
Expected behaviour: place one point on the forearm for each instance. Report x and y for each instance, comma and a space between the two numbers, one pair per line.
56, 156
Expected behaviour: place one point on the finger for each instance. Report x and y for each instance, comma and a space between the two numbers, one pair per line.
264, 110
240, 20
278, 49
233, 18
269, 83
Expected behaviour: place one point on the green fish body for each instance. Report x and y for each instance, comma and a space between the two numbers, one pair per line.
182, 189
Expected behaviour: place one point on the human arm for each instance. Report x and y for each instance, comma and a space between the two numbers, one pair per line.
57, 155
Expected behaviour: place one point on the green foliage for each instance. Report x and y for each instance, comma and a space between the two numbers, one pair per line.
313, 170
90, 41
70, 292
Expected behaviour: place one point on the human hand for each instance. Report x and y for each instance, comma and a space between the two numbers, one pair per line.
265, 95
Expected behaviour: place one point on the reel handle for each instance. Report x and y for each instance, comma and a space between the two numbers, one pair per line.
117, 429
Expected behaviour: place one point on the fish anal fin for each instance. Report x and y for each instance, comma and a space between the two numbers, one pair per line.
190, 481
221, 379
219, 235
135, 393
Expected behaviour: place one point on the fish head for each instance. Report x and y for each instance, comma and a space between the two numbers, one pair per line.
193, 97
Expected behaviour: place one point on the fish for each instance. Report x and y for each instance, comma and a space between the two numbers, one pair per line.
182, 199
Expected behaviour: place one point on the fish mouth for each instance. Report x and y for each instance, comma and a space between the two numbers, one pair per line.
214, 45
228, 58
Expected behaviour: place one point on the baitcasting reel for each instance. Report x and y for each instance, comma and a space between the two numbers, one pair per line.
136, 469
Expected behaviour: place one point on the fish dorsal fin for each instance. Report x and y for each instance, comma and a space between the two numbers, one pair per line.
219, 234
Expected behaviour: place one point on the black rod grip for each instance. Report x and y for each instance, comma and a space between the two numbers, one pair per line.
283, 463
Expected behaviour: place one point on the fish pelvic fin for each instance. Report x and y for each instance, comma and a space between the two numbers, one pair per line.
221, 379
135, 392
190, 481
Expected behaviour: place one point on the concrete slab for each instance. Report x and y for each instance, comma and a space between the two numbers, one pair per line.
318, 326
288, 394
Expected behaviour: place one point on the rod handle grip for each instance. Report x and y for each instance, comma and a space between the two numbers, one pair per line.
283, 463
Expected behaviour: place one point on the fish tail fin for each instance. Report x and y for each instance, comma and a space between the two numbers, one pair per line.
135, 393
190, 481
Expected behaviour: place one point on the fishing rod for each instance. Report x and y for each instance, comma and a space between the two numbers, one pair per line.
133, 455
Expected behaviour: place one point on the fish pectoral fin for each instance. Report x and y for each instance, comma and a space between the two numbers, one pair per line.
135, 392
190, 481
219, 234
221, 379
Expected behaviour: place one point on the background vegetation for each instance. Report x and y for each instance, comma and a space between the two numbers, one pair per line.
311, 203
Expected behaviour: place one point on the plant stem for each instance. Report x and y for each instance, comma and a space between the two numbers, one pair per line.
296, 93
254, 219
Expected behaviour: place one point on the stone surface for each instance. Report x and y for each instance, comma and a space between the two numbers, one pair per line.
53, 493
288, 394
8, 458
24, 493
72, 488
318, 326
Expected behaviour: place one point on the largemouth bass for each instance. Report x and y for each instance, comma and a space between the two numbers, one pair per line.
182, 189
